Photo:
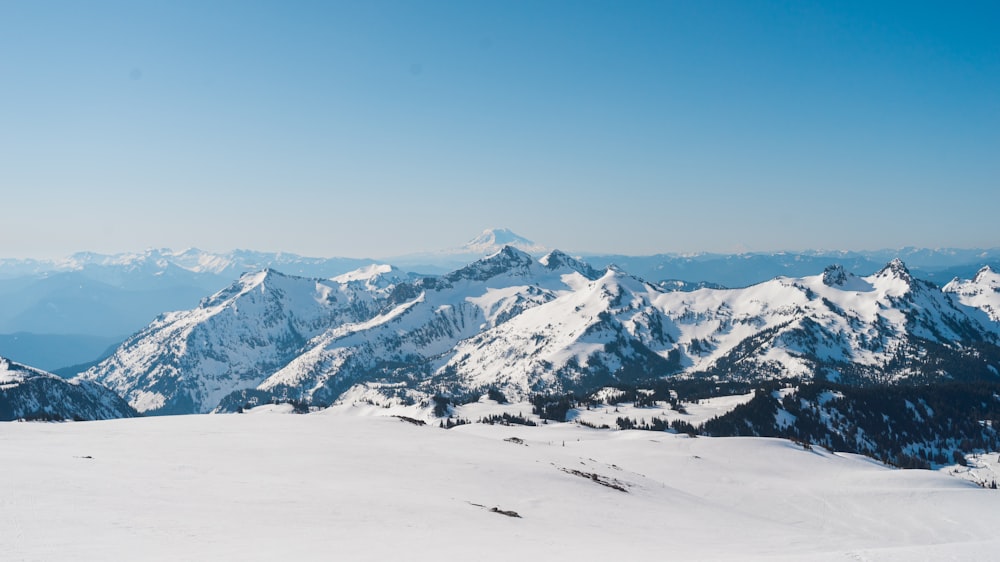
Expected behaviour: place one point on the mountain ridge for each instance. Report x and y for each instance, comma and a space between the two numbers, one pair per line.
552, 324
29, 393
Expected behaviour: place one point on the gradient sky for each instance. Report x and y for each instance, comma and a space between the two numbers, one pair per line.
381, 128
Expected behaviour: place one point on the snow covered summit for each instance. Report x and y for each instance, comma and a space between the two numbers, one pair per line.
493, 240
982, 292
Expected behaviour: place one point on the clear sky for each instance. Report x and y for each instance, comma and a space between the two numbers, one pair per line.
374, 128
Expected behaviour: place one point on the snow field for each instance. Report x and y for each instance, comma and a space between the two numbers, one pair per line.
353, 487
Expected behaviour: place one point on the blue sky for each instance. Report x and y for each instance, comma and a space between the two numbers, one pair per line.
382, 128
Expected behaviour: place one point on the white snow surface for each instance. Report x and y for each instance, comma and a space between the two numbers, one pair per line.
352, 487
980, 468
982, 292
696, 414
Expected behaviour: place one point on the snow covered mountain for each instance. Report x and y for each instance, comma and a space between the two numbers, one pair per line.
492, 240
409, 342
28, 393
109, 296
879, 328
604, 332
91, 295
310, 340
835, 326
187, 361
982, 292
525, 326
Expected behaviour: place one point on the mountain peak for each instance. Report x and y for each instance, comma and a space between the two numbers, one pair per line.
506, 260
261, 275
984, 275
896, 268
557, 259
247, 282
493, 239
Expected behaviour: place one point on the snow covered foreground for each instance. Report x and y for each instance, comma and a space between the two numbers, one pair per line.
347, 487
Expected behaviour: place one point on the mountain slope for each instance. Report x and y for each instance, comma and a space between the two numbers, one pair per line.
982, 292
911, 426
185, 362
882, 328
406, 343
550, 325
26, 392
604, 332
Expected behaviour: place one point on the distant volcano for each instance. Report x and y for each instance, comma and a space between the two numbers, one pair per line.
493, 239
